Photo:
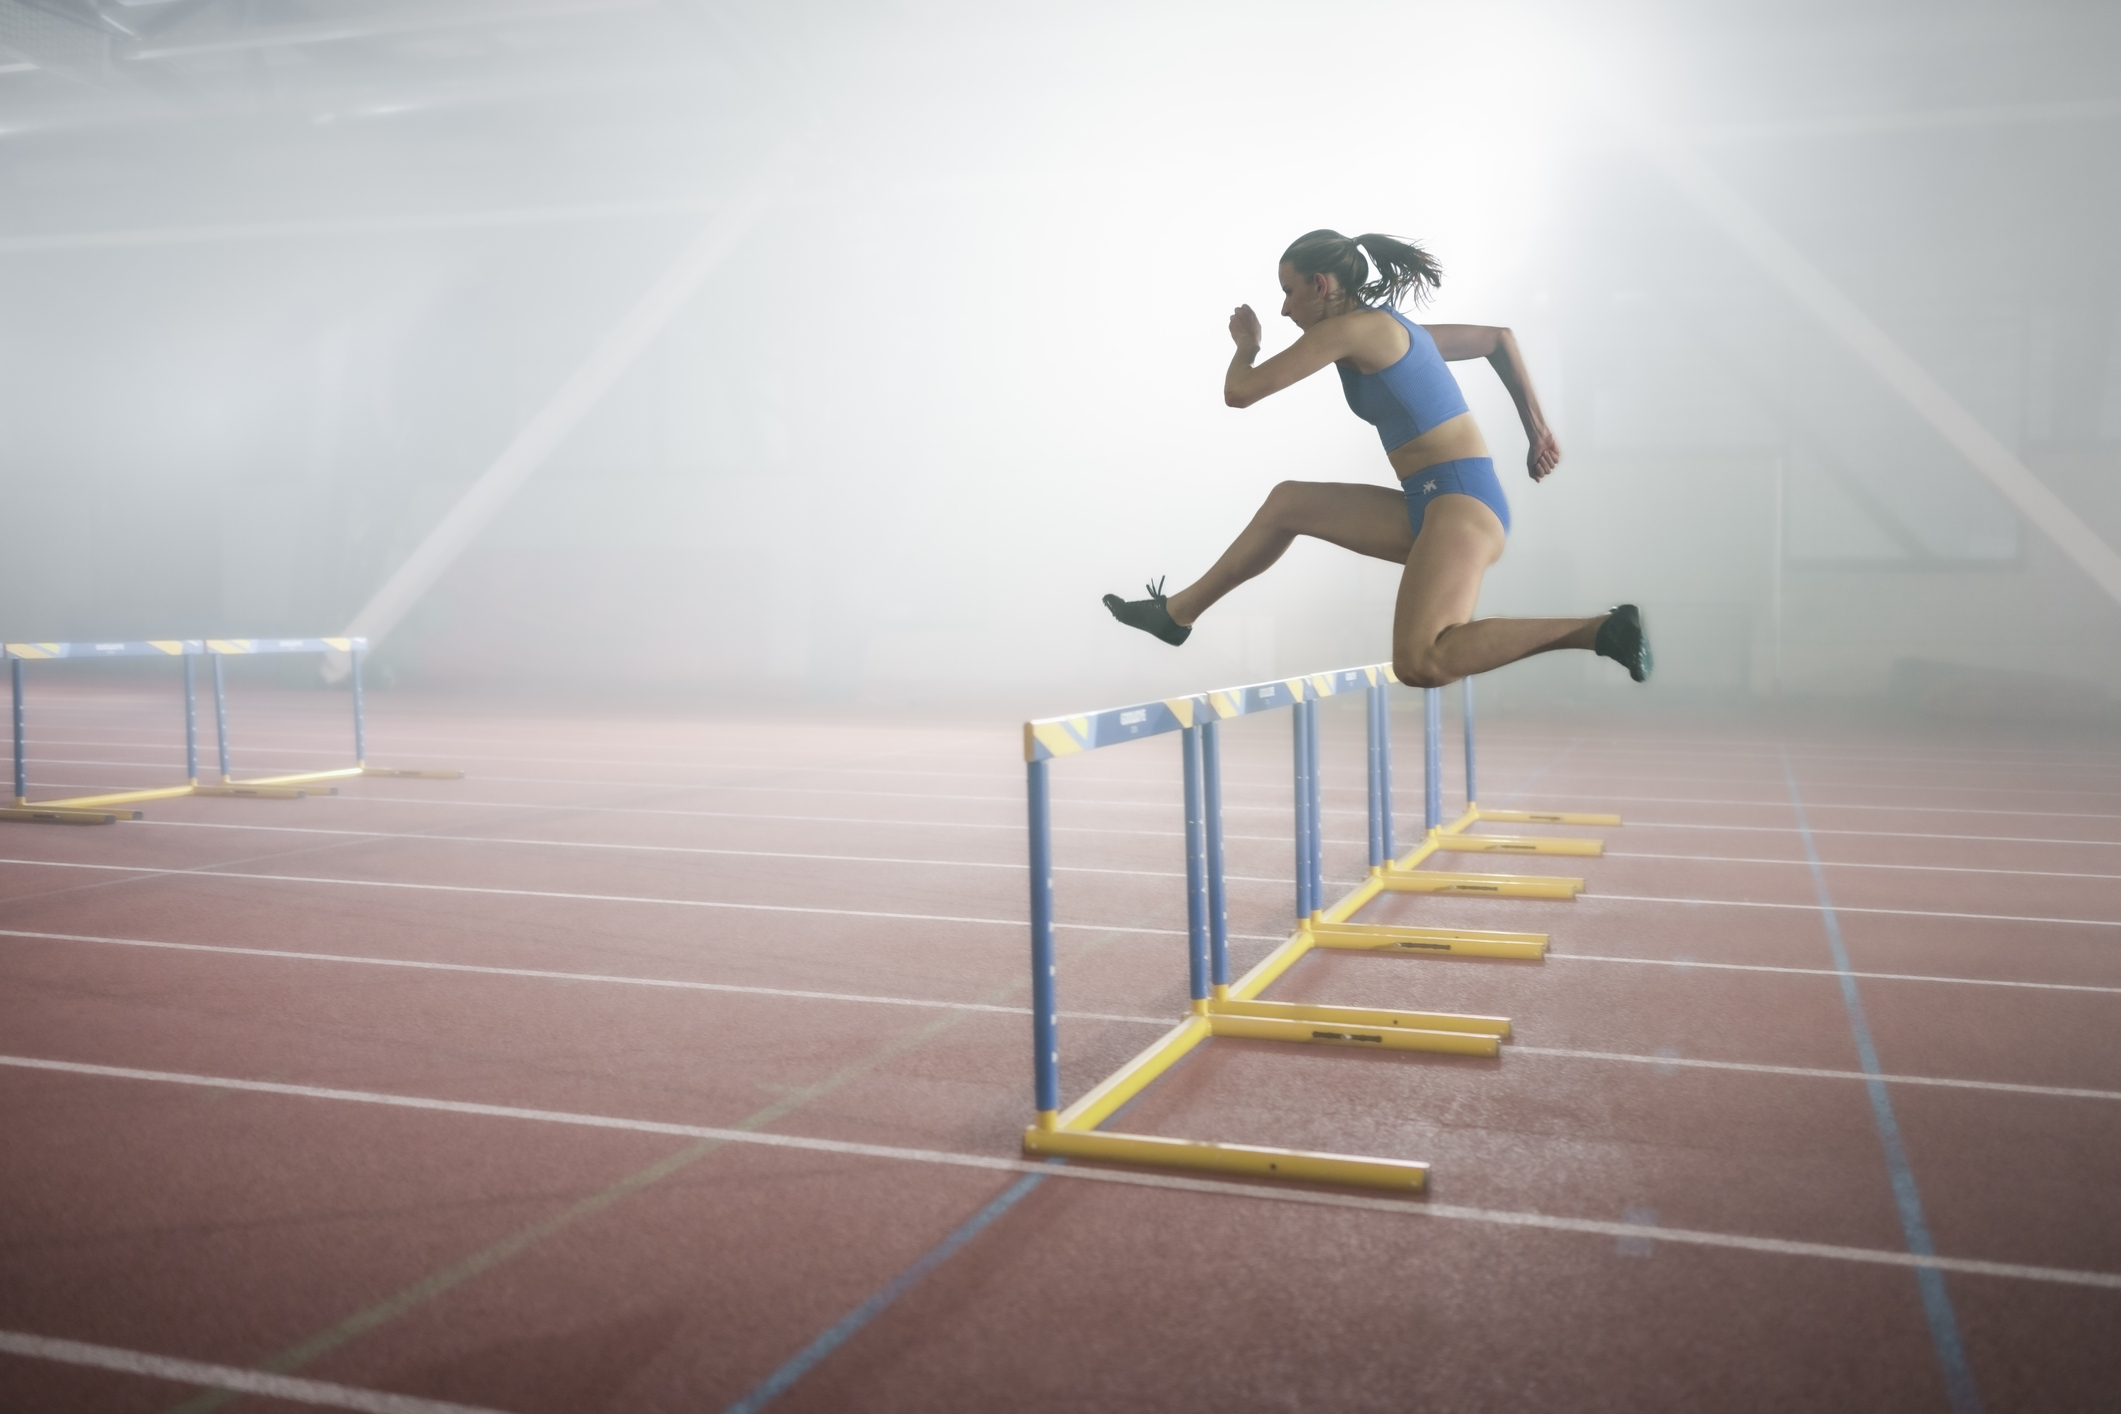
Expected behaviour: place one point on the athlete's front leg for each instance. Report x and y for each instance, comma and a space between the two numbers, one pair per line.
1370, 520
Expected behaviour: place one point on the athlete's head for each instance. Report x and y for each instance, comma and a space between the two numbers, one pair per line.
1325, 273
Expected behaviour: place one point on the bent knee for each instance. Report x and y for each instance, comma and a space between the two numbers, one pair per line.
1421, 670
1296, 503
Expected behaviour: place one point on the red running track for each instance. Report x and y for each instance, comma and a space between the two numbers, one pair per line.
665, 1054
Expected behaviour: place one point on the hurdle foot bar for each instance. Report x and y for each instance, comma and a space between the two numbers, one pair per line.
254, 790
1532, 817
1241, 1160
123, 797
1457, 838
1073, 1132
1359, 1027
1427, 942
45, 815
1496, 1026
295, 778
1399, 880
1449, 842
345, 773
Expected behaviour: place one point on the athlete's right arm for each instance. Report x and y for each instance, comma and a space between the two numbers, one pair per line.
1244, 385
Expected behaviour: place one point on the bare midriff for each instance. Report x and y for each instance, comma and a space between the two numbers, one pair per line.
1445, 442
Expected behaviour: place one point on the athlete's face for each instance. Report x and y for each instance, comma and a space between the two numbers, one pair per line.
1307, 299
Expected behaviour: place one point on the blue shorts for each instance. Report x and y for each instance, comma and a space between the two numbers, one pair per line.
1468, 476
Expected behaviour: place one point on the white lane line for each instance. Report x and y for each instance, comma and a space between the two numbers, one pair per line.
790, 993
1681, 963
1827, 972
1784, 805
1791, 830
866, 821
1809, 1073
974, 863
1721, 751
659, 763
330, 738
1866, 755
787, 993
792, 768
207, 872
1403, 1207
1013, 866
667, 788
1060, 868
1095, 803
1062, 799
228, 1377
1855, 864
1838, 908
1104, 830
1016, 827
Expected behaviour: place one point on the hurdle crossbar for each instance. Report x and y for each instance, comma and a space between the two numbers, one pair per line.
1221, 1007
112, 806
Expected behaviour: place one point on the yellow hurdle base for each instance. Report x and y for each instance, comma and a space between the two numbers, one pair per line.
1519, 844
1246, 1160
1375, 1038
123, 797
347, 773
44, 815
1540, 817
1439, 881
1431, 942
1418, 1022
297, 778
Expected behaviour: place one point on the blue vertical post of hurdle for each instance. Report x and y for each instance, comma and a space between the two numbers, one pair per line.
1219, 1006
1458, 837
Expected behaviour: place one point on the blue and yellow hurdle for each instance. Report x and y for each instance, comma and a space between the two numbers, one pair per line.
112, 806
1221, 1007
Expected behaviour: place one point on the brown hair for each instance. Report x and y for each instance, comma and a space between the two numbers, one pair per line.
1403, 268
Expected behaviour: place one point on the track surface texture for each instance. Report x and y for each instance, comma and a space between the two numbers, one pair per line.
679, 1062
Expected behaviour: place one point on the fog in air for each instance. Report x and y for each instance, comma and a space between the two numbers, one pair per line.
957, 370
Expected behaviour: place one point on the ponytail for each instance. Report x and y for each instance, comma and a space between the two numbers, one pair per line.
1404, 269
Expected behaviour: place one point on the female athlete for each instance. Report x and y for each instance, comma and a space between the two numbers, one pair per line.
1447, 520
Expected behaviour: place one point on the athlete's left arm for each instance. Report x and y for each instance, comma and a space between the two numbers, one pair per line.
1457, 342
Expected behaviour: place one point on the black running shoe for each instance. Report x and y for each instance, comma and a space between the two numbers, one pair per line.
1621, 638
1149, 615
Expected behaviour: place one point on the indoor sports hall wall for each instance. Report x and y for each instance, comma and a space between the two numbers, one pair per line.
962, 377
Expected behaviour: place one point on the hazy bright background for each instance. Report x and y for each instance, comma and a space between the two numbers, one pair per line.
278, 281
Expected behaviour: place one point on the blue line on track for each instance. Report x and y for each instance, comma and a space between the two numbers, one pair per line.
1959, 1384
811, 1355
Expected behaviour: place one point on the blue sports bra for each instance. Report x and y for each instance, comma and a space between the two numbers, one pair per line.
1412, 396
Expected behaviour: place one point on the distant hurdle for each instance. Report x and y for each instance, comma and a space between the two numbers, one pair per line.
1221, 1007
107, 808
